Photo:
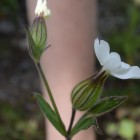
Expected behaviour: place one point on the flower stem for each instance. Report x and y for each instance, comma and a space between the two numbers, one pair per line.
49, 91
71, 123
68, 138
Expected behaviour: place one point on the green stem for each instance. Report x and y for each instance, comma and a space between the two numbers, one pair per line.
71, 123
69, 138
49, 91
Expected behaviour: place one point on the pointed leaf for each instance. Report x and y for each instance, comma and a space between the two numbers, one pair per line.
50, 114
83, 124
105, 105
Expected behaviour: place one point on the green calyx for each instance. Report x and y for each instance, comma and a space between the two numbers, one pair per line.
37, 36
87, 92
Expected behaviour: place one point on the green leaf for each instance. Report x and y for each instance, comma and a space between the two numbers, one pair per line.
101, 107
83, 124
50, 114
105, 105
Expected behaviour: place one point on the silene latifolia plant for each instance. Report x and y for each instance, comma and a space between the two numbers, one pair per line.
86, 96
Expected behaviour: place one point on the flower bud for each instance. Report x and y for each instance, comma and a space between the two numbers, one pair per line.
87, 92
37, 35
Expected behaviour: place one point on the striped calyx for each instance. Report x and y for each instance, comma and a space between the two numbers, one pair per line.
37, 36
87, 92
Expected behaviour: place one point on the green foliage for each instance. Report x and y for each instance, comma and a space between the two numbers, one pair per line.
84, 123
101, 107
105, 105
50, 114
86, 96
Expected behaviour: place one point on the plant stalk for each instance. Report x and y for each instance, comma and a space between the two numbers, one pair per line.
68, 138
49, 91
71, 123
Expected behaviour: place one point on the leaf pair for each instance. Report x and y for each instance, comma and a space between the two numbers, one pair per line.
101, 107
88, 119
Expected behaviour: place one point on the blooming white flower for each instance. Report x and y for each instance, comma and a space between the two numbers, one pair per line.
41, 8
112, 63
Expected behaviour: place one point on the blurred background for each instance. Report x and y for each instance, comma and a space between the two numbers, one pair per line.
20, 116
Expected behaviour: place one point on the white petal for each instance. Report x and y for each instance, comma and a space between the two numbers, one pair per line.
102, 50
133, 73
45, 9
41, 8
124, 68
113, 62
38, 7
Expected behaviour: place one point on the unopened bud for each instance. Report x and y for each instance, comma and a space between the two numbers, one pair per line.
37, 36
87, 92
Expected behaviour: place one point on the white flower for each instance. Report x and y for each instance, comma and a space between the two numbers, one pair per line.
112, 63
41, 8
